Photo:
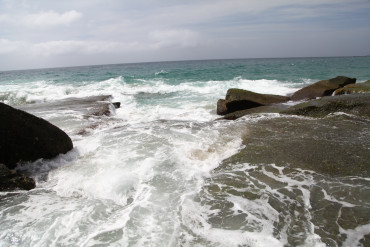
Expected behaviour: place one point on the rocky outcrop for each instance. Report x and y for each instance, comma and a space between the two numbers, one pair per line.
239, 99
11, 180
324, 150
261, 109
356, 104
25, 137
354, 88
309, 144
322, 88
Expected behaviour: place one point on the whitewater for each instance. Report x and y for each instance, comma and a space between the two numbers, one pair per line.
152, 172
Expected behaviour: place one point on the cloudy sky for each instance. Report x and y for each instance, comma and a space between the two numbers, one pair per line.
48, 33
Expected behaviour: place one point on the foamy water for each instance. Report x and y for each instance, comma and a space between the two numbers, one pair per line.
149, 174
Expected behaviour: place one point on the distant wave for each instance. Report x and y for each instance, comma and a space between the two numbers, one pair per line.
162, 72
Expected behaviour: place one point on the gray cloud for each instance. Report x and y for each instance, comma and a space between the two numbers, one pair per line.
66, 33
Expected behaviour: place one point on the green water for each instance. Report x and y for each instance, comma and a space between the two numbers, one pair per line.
281, 69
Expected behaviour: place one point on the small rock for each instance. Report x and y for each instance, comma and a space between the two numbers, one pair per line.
116, 104
11, 180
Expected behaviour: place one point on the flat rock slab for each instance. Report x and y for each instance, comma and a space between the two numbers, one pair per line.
335, 145
88, 106
357, 104
261, 109
239, 99
322, 88
354, 88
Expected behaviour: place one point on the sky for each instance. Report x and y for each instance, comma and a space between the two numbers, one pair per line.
48, 33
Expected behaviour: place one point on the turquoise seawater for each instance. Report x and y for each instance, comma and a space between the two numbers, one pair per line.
156, 172
281, 69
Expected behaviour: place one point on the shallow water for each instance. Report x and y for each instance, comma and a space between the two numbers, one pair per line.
159, 171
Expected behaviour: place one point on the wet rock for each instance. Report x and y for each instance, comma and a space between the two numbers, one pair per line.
87, 106
351, 217
354, 88
239, 99
322, 88
221, 107
11, 180
116, 104
261, 109
25, 137
334, 145
357, 104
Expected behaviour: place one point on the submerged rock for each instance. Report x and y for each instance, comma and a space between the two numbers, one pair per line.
357, 104
354, 88
11, 180
87, 106
25, 137
322, 88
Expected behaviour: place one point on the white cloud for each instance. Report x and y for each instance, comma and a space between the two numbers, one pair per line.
42, 19
8, 47
51, 18
158, 39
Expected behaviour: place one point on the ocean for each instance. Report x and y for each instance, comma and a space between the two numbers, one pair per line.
163, 171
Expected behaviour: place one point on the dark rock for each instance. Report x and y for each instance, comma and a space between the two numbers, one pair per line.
238, 99
335, 145
116, 104
357, 104
322, 88
261, 109
11, 180
354, 88
353, 216
221, 107
25, 137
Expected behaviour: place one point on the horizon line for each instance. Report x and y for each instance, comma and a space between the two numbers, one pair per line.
169, 61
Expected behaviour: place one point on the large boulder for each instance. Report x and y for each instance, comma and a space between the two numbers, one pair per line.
354, 88
356, 104
322, 88
25, 137
239, 99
